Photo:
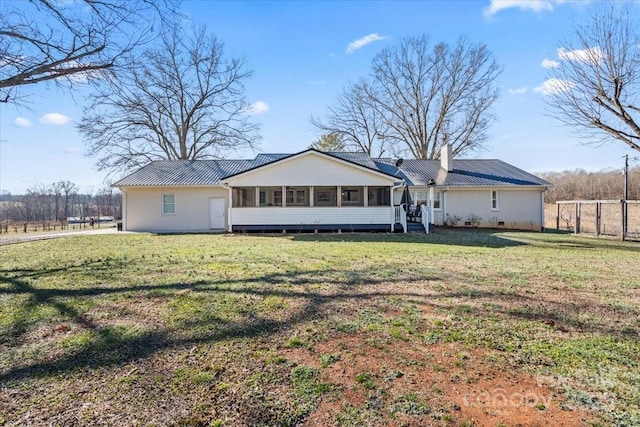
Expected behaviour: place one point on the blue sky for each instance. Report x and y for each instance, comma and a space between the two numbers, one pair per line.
300, 55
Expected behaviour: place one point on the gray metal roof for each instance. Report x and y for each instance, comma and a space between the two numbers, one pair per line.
473, 172
489, 172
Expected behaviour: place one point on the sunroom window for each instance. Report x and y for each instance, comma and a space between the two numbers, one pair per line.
352, 196
244, 197
379, 196
270, 196
325, 196
297, 196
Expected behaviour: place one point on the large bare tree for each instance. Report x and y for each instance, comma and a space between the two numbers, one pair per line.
596, 87
355, 119
422, 96
181, 100
69, 41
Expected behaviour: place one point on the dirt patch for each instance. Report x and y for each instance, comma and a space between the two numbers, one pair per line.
439, 384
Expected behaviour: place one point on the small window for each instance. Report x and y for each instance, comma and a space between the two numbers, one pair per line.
436, 199
495, 200
168, 204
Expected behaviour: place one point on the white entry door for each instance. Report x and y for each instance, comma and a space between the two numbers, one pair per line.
216, 214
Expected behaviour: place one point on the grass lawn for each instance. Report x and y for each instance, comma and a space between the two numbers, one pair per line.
460, 328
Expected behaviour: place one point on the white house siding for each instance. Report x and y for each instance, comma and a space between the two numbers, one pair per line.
143, 210
518, 208
311, 215
310, 169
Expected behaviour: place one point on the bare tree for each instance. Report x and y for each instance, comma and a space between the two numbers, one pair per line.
181, 100
355, 119
422, 97
67, 42
596, 85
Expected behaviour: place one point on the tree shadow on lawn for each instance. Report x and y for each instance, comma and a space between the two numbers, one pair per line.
462, 237
111, 346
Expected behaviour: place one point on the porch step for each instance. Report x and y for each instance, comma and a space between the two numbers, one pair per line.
415, 227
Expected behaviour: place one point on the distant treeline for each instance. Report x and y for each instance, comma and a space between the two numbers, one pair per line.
59, 201
582, 185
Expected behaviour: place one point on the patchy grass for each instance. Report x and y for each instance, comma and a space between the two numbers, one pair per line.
454, 328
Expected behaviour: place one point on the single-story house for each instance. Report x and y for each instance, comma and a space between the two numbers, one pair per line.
330, 191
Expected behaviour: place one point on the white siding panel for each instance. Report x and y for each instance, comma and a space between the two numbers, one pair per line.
519, 209
144, 208
316, 215
311, 169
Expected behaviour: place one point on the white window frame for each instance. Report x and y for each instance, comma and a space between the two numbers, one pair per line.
437, 197
165, 204
495, 200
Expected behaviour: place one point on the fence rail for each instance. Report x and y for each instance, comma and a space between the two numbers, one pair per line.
608, 218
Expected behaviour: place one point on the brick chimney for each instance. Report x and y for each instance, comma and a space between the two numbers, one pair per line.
446, 161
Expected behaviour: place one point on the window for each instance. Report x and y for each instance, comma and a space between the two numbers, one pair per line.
168, 204
352, 196
297, 196
270, 196
244, 197
495, 200
436, 199
325, 196
379, 196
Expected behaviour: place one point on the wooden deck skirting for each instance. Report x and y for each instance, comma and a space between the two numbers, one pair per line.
598, 204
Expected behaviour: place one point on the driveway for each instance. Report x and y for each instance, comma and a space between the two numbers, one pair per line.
18, 238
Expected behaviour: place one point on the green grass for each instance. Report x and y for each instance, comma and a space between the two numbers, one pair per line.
203, 323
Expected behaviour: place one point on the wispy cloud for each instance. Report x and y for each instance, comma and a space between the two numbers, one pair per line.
362, 42
550, 63
21, 122
592, 55
316, 82
531, 5
518, 91
258, 107
553, 86
55, 119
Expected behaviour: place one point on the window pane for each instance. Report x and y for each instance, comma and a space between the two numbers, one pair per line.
379, 196
244, 197
297, 196
270, 196
168, 204
325, 196
352, 196
436, 200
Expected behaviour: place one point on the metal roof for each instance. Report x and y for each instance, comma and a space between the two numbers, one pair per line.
490, 172
473, 172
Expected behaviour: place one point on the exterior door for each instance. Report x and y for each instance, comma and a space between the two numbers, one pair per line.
216, 214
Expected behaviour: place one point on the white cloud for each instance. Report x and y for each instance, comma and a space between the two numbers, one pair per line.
55, 119
21, 122
258, 107
533, 5
553, 86
549, 63
362, 42
518, 91
592, 55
